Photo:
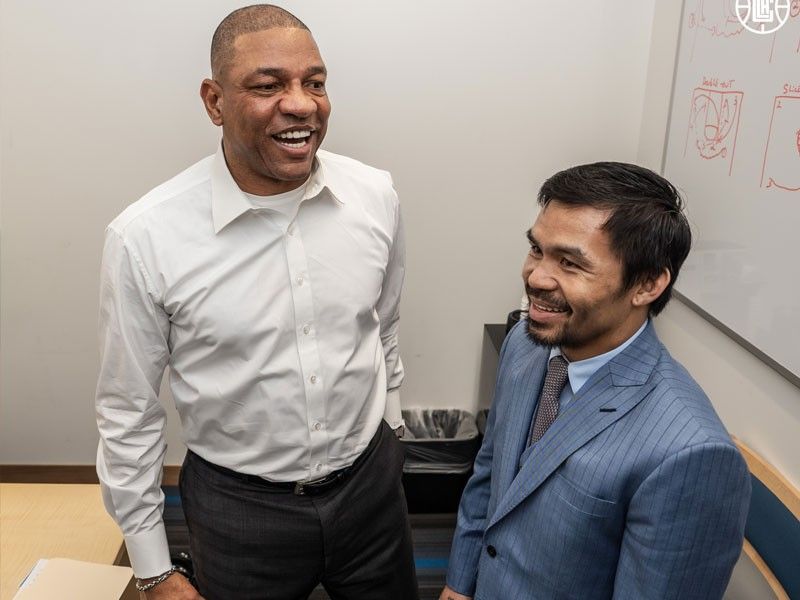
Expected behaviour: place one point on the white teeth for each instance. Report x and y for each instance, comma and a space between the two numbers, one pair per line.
302, 136
546, 309
288, 135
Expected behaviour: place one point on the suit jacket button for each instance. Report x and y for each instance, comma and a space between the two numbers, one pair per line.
491, 551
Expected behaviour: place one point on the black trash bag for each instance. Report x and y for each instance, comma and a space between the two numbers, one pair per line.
441, 441
440, 447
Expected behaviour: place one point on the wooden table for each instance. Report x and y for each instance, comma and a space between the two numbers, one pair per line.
52, 520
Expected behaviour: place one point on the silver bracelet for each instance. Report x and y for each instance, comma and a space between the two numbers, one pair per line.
143, 587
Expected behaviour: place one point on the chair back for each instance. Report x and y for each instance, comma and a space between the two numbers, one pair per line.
772, 532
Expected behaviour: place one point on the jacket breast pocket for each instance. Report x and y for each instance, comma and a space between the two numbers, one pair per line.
580, 500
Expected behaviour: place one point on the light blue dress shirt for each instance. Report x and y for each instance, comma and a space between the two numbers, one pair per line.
580, 371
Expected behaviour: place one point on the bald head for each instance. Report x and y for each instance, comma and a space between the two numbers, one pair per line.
246, 20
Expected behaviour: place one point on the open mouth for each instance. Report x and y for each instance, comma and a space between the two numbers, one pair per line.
293, 139
547, 308
540, 304
544, 312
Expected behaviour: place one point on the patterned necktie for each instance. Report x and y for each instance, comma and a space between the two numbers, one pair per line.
547, 410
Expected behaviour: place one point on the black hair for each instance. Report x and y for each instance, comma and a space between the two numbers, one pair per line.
647, 227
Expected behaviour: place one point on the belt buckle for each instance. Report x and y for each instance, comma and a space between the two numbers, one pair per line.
300, 486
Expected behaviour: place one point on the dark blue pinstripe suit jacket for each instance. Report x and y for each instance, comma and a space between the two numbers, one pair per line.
636, 491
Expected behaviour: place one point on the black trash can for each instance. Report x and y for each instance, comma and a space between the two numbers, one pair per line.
440, 447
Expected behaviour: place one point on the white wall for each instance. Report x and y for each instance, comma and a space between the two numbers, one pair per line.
756, 404
469, 104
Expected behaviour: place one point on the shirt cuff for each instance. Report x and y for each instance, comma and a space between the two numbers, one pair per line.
393, 414
149, 552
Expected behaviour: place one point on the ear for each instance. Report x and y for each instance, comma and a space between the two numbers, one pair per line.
211, 94
649, 290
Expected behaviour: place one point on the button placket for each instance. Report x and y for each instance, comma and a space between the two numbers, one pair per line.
308, 350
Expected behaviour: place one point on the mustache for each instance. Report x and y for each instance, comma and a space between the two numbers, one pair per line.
545, 297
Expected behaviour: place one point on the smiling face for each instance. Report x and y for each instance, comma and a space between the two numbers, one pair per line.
573, 280
271, 102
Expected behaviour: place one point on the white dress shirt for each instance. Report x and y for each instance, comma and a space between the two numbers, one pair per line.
280, 333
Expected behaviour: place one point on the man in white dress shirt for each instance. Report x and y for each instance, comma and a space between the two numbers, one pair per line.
267, 277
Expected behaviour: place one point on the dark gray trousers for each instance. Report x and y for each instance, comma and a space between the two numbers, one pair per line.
250, 543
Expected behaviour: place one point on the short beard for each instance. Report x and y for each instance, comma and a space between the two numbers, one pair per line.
560, 338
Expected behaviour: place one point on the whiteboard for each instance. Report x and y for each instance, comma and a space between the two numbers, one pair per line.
733, 149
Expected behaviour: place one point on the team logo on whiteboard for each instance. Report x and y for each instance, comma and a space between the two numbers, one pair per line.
763, 16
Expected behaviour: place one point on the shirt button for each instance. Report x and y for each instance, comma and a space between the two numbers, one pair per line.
313, 379
300, 280
317, 426
491, 551
318, 467
306, 329
290, 231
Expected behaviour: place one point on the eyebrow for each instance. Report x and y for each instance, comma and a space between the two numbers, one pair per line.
573, 251
276, 72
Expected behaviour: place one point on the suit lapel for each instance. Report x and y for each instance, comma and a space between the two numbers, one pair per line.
607, 396
522, 387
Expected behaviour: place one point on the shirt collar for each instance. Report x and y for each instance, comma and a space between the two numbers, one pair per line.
580, 371
228, 201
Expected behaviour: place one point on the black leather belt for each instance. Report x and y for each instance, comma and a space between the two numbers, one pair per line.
299, 488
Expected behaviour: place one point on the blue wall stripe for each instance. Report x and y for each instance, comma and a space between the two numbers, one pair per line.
430, 563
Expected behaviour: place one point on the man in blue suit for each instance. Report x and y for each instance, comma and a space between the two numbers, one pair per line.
605, 472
